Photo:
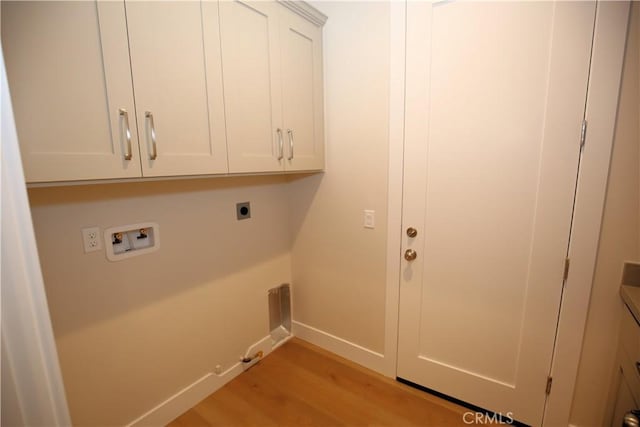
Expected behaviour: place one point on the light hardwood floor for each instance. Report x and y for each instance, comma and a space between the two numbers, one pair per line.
300, 384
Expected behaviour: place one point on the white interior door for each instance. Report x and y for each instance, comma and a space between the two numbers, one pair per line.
495, 101
177, 76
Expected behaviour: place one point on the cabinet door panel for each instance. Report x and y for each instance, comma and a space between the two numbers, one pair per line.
69, 74
301, 43
251, 66
171, 81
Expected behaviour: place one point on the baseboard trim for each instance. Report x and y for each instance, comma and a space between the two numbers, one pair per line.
354, 352
191, 395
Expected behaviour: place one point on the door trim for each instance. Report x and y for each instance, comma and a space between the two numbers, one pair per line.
397, 68
606, 68
32, 380
602, 103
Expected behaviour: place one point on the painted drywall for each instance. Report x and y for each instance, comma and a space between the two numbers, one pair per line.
338, 265
619, 241
132, 333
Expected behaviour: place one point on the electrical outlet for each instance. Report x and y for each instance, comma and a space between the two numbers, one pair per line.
91, 239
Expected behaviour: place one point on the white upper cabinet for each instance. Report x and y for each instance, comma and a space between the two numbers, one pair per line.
252, 85
272, 63
110, 90
70, 83
302, 94
178, 88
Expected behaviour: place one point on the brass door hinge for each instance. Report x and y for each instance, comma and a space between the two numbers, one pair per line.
549, 381
567, 264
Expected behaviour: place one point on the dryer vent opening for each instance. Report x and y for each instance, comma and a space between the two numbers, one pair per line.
280, 313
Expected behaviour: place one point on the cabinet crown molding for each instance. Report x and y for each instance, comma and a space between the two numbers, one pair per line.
305, 10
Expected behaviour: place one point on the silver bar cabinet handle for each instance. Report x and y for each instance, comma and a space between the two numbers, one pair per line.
290, 133
280, 144
152, 132
124, 116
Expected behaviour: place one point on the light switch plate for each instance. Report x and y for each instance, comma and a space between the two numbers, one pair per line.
369, 219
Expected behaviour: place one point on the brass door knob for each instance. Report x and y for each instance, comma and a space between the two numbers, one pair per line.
410, 255
412, 232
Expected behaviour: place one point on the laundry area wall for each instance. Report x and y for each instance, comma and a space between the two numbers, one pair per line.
132, 333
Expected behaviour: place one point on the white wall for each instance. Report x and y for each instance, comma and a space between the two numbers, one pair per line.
619, 241
339, 266
123, 328
132, 333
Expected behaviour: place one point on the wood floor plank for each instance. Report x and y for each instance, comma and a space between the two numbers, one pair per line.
190, 419
300, 384
381, 379
320, 393
225, 408
415, 408
266, 394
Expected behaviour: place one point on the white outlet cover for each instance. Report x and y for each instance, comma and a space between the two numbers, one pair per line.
91, 239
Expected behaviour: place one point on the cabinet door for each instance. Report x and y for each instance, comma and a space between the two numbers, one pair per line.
175, 61
69, 77
251, 66
301, 47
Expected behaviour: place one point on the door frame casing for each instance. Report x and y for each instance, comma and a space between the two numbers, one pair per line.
397, 69
601, 108
32, 378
